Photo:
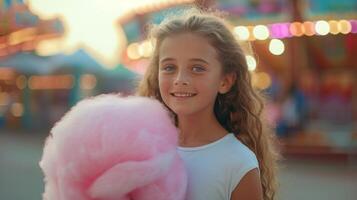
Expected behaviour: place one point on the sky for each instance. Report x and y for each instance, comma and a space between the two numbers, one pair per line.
91, 24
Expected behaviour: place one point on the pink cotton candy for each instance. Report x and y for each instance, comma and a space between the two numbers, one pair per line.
114, 148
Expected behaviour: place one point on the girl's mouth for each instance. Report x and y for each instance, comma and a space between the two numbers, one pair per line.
183, 94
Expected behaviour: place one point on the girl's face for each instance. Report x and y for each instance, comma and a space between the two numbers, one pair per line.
190, 75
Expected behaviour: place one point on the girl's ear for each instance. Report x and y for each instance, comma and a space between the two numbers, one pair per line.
227, 82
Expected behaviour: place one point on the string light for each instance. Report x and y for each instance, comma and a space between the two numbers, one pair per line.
353, 24
279, 30
333, 27
344, 26
309, 28
297, 29
241, 32
251, 62
322, 27
276, 47
261, 32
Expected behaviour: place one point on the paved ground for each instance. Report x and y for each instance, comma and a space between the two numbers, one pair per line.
21, 178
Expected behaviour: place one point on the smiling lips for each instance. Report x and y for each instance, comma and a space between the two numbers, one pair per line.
183, 94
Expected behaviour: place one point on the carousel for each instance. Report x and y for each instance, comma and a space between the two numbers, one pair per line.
35, 89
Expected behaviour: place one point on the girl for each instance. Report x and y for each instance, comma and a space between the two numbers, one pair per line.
199, 72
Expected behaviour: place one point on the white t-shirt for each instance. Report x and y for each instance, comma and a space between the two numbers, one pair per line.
215, 169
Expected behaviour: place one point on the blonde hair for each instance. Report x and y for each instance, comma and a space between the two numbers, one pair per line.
239, 110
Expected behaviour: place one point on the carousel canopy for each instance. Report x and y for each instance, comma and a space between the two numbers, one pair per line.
79, 62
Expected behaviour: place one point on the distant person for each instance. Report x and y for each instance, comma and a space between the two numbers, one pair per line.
199, 72
293, 113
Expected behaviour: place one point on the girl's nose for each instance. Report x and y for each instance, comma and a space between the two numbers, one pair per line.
181, 79
181, 83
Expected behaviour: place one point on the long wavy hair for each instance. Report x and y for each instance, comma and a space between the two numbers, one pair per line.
240, 110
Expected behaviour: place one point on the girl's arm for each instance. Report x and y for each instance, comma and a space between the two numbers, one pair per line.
249, 187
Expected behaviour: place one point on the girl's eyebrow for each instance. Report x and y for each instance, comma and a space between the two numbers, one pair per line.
166, 59
192, 59
199, 60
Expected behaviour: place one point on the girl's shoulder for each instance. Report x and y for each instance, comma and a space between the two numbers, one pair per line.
239, 161
239, 154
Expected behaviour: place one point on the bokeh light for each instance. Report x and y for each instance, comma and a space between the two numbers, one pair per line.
279, 30
322, 27
344, 26
17, 109
145, 49
51, 82
88, 81
4, 98
296, 29
309, 28
333, 27
261, 32
276, 47
251, 62
21, 82
261, 80
241, 32
133, 51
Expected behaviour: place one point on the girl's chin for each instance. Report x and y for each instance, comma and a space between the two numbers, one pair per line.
183, 113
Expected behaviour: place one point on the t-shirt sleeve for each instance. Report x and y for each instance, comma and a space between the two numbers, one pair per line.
246, 162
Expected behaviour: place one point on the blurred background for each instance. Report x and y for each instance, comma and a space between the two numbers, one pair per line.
301, 53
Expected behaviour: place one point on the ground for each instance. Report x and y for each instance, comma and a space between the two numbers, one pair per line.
300, 179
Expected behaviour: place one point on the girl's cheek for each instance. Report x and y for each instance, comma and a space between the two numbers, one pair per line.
164, 81
163, 84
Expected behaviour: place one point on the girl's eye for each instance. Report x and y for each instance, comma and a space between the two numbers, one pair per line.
168, 68
198, 69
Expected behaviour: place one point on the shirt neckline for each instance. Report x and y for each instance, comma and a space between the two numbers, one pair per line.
206, 145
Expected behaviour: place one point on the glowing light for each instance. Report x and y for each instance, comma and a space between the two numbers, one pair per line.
17, 109
241, 32
145, 49
6, 74
322, 27
276, 47
353, 24
2, 45
333, 27
94, 24
88, 81
4, 99
133, 51
251, 62
279, 30
296, 29
344, 26
21, 82
49, 47
261, 32
8, 81
51, 82
23, 35
261, 80
309, 28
